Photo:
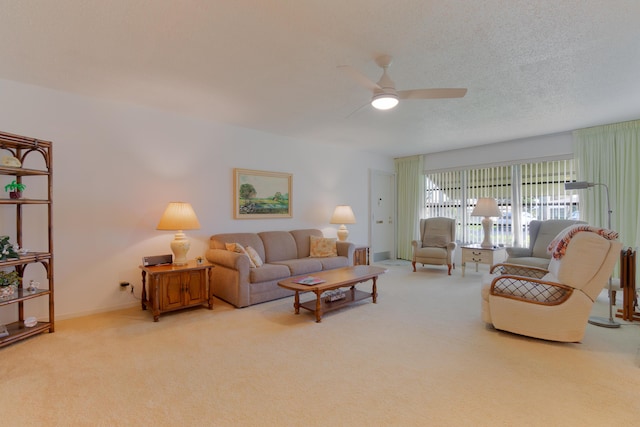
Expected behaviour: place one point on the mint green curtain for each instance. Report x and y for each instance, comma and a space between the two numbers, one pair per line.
410, 183
610, 155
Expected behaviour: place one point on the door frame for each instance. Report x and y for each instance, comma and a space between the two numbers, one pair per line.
373, 174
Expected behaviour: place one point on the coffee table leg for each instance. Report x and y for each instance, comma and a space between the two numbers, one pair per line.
374, 291
296, 303
318, 307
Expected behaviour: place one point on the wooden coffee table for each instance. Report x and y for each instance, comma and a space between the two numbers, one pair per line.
334, 279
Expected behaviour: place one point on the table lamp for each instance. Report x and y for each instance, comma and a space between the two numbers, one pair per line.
486, 207
343, 214
179, 216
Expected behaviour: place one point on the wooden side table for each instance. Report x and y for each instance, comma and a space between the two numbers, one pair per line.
361, 255
480, 255
173, 287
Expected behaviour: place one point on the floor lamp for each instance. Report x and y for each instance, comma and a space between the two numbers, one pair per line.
598, 321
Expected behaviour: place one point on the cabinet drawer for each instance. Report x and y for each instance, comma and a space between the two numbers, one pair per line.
477, 255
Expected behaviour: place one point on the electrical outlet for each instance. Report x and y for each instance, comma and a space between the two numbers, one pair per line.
132, 288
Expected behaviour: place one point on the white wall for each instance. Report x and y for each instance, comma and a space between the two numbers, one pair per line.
116, 167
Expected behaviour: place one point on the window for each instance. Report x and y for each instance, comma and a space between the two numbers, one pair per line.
524, 192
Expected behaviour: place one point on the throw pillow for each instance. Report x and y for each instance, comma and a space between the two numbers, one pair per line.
436, 240
237, 247
254, 256
322, 247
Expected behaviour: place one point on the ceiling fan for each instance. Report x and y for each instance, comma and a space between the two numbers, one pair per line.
385, 96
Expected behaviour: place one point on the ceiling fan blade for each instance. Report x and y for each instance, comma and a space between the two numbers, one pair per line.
432, 93
359, 77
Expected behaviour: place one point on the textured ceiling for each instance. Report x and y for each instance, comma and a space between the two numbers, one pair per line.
531, 67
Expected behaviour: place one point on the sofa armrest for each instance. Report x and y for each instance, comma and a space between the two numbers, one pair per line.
346, 249
228, 259
230, 276
518, 252
416, 244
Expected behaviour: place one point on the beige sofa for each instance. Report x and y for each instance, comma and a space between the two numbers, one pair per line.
285, 254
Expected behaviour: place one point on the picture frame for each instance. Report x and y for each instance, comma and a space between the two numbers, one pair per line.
262, 194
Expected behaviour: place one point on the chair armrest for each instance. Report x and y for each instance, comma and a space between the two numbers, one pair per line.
530, 290
451, 246
518, 252
416, 244
519, 270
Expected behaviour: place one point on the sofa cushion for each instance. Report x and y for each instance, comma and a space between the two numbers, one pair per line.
253, 255
302, 238
322, 247
334, 262
218, 241
269, 272
301, 266
278, 246
238, 248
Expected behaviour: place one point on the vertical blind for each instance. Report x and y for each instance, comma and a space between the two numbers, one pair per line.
524, 192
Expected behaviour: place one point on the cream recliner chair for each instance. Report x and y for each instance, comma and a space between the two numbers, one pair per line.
437, 242
552, 304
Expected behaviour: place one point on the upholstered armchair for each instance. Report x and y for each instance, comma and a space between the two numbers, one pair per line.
437, 242
554, 303
541, 233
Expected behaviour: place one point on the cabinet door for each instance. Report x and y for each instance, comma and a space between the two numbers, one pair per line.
360, 256
171, 291
196, 287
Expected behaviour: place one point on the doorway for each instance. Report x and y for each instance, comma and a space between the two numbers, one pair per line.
382, 227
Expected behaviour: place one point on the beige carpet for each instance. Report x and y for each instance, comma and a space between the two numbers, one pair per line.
420, 357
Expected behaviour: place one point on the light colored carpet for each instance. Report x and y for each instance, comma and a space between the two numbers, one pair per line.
420, 357
394, 262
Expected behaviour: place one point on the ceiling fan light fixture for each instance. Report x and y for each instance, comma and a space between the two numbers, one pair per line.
384, 101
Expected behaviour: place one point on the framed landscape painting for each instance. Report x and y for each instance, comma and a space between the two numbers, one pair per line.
260, 194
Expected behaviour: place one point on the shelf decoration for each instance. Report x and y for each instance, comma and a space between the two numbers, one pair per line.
7, 250
9, 282
15, 189
11, 162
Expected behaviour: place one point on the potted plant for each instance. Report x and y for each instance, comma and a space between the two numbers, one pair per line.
9, 282
15, 189
7, 250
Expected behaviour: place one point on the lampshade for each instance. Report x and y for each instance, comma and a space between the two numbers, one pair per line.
486, 207
343, 214
179, 216
384, 101
578, 185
